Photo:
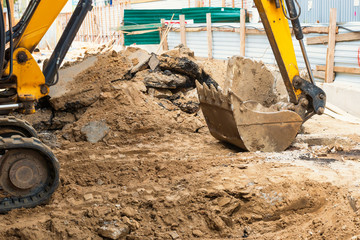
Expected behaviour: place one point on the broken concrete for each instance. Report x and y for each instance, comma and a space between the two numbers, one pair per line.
163, 80
160, 93
95, 131
153, 62
114, 232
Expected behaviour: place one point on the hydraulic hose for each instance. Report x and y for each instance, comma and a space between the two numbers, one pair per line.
2, 41
11, 42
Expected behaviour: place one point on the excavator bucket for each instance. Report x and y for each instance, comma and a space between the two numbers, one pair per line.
247, 124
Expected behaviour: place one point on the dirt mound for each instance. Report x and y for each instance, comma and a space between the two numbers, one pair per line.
137, 162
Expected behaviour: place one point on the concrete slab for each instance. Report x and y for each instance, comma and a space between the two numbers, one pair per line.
68, 75
344, 95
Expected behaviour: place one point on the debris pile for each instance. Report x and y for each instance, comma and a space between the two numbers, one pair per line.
123, 97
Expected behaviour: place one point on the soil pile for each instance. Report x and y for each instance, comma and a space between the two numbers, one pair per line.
137, 162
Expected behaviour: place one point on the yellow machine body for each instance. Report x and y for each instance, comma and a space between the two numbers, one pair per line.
40, 22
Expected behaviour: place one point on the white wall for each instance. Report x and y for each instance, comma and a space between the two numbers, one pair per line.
162, 4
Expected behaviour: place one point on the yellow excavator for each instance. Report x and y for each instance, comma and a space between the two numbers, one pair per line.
29, 171
246, 123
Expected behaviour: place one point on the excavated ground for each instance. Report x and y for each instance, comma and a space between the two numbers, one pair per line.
137, 162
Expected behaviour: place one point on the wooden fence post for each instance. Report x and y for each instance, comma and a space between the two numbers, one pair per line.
242, 32
165, 44
330, 55
182, 30
223, 3
233, 3
209, 35
11, 5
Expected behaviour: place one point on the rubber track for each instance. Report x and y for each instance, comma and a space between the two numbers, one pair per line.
15, 123
43, 195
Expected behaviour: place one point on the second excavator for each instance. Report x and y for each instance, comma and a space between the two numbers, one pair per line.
246, 123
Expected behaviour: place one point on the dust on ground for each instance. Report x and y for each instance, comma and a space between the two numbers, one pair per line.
137, 162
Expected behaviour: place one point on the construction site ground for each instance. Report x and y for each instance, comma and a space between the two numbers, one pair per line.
157, 173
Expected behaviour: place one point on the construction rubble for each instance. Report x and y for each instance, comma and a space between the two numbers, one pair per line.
138, 162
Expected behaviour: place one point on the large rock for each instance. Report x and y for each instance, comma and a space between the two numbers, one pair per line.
114, 232
160, 93
95, 131
163, 80
138, 57
180, 51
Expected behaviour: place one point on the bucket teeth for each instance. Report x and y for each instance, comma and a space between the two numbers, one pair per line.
216, 95
200, 91
213, 95
207, 94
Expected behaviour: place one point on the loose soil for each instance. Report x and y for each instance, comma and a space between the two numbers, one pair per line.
159, 172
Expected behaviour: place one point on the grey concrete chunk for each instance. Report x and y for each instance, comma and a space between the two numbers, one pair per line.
114, 232
160, 80
95, 131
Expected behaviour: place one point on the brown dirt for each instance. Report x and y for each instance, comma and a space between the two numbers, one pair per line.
250, 80
159, 172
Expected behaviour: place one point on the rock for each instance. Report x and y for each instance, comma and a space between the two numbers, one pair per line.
224, 201
197, 233
99, 182
215, 222
61, 119
133, 224
180, 51
49, 139
114, 232
159, 93
114, 53
88, 197
95, 131
174, 235
138, 57
128, 212
160, 80
140, 86
106, 95
153, 62
187, 106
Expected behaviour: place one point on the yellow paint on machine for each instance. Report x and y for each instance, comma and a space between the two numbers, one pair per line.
27, 90
41, 21
281, 32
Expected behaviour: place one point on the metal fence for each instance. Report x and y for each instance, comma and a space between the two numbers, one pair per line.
100, 25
